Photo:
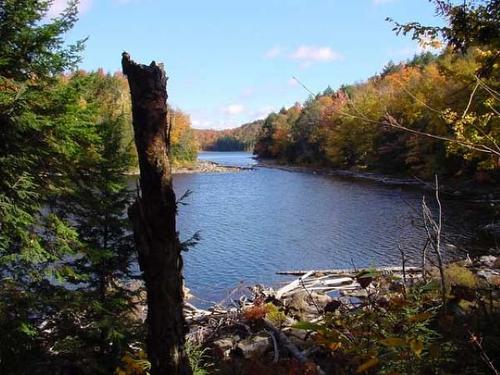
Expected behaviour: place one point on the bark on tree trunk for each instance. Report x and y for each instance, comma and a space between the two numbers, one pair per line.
153, 219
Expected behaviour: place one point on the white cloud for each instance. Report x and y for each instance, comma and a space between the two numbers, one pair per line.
292, 82
59, 6
314, 54
273, 53
234, 109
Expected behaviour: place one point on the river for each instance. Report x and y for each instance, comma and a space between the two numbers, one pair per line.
256, 222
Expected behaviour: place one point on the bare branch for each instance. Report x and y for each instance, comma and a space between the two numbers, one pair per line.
434, 235
391, 121
470, 99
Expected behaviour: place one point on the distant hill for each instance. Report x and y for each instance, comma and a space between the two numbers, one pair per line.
242, 138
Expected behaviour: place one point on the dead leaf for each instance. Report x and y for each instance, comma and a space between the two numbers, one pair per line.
416, 346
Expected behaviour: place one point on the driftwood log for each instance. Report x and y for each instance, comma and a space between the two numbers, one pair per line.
350, 271
153, 217
340, 280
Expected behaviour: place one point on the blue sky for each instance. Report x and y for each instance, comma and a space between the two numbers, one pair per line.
232, 61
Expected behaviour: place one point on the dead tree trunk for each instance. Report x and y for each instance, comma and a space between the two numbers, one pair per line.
153, 219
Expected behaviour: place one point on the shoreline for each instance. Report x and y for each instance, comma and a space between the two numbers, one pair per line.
324, 171
207, 166
201, 166
302, 319
453, 191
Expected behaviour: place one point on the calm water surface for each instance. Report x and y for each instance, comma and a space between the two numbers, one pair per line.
254, 223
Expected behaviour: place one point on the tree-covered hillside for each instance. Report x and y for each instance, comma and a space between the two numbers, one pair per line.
242, 138
431, 114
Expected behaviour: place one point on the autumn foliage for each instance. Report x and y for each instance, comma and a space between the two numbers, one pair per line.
349, 128
184, 147
241, 138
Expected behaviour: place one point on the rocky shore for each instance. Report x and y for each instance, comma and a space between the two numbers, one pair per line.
205, 166
291, 326
202, 166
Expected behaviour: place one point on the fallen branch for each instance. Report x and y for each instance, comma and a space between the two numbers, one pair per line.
294, 284
275, 346
285, 341
349, 272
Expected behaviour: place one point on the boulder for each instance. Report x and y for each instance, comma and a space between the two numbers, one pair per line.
491, 276
297, 302
497, 263
300, 334
254, 346
488, 260
224, 346
301, 338
360, 293
321, 299
187, 293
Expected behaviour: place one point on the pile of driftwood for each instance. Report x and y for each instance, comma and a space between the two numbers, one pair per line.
230, 330
345, 281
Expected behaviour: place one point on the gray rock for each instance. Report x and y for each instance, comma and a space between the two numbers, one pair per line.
361, 293
491, 276
305, 305
187, 293
224, 343
450, 247
254, 346
488, 260
298, 302
300, 334
224, 346
321, 299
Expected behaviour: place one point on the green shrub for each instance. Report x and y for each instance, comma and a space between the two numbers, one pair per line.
198, 359
275, 315
457, 275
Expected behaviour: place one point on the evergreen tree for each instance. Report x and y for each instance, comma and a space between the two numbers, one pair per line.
389, 68
41, 127
65, 250
33, 124
97, 203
